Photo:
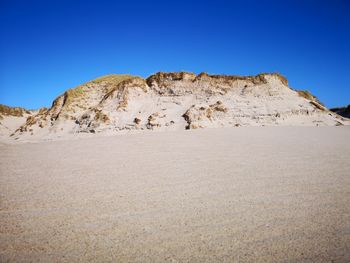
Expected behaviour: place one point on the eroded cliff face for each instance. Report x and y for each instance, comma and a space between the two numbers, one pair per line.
177, 100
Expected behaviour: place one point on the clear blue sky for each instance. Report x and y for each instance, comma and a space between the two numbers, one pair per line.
47, 47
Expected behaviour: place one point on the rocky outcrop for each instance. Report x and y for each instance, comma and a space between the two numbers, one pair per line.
176, 100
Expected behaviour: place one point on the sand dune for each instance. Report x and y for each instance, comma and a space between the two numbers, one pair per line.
249, 194
116, 104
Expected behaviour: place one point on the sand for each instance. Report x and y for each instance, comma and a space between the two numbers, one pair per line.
249, 194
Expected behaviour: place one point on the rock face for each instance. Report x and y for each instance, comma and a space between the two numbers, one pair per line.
179, 100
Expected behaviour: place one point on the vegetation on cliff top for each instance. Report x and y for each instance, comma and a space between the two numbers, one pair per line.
111, 79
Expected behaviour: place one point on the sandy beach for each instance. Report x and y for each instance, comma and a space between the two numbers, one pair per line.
249, 194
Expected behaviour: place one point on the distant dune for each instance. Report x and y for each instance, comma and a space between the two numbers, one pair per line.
168, 101
342, 111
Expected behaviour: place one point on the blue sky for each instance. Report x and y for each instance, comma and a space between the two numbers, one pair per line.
47, 47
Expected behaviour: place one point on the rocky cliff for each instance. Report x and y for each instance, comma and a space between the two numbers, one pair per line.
178, 100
